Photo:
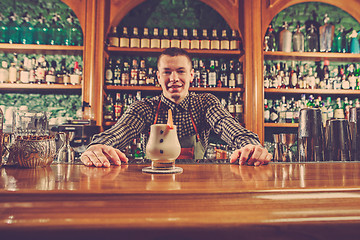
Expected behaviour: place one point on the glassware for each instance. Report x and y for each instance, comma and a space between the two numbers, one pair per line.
338, 140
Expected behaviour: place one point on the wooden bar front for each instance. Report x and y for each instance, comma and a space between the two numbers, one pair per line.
206, 201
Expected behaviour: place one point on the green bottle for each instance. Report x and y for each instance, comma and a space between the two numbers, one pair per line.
13, 29
73, 33
41, 35
56, 31
26, 30
3, 30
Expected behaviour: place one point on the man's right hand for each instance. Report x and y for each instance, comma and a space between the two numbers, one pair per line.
100, 156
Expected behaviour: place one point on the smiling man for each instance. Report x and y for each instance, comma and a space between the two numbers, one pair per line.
193, 114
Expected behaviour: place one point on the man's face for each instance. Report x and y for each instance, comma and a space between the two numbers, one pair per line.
175, 75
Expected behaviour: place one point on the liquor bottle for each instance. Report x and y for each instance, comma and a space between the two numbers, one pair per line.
310, 79
345, 83
352, 78
175, 40
354, 42
118, 106
75, 77
138, 152
283, 109
232, 76
339, 112
298, 39
4, 38
150, 78
204, 74
270, 40
4, 72
212, 78
155, 40
145, 39
64, 72
134, 38
266, 111
41, 31
224, 41
285, 39
24, 73
125, 74
326, 33
72, 32
109, 109
50, 76
56, 31
235, 41
165, 40
231, 104
13, 28
224, 78
117, 73
40, 71
312, 39
239, 75
134, 73
142, 73
197, 77
185, 41
326, 74
205, 41
239, 107
274, 112
340, 41
26, 30
109, 73
194, 42
124, 40
1, 134
214, 41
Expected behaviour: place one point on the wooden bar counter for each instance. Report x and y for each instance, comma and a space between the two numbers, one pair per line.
206, 201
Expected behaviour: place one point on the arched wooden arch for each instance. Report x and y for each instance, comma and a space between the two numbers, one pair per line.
228, 9
272, 7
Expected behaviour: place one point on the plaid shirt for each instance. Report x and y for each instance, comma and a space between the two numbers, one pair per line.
207, 111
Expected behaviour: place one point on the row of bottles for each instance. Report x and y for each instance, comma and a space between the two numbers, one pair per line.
41, 71
310, 36
39, 31
116, 104
165, 38
307, 76
207, 73
287, 110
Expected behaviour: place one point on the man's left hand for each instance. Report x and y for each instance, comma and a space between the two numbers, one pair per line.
251, 155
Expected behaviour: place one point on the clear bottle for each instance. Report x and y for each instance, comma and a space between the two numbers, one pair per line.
50, 76
298, 39
165, 40
185, 41
26, 30
224, 40
4, 72
195, 42
175, 39
135, 39
214, 41
41, 33
13, 71
155, 40
24, 71
40, 71
117, 73
205, 40
109, 73
150, 78
13, 29
232, 75
145, 39
124, 40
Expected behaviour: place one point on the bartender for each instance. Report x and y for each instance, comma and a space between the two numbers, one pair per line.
193, 114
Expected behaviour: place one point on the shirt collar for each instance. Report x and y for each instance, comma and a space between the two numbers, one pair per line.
183, 104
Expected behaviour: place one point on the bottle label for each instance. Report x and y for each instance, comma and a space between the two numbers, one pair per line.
4, 75
231, 108
225, 44
195, 44
13, 73
125, 79
175, 43
239, 79
135, 42
145, 43
267, 115
215, 44
155, 43
75, 79
25, 77
234, 45
50, 79
124, 42
108, 75
114, 41
212, 79
185, 44
239, 108
165, 43
339, 113
205, 44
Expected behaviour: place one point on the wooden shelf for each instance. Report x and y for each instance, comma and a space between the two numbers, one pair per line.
312, 56
281, 125
312, 91
19, 87
44, 49
157, 51
153, 88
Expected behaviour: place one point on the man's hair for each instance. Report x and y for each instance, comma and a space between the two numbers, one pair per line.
173, 52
